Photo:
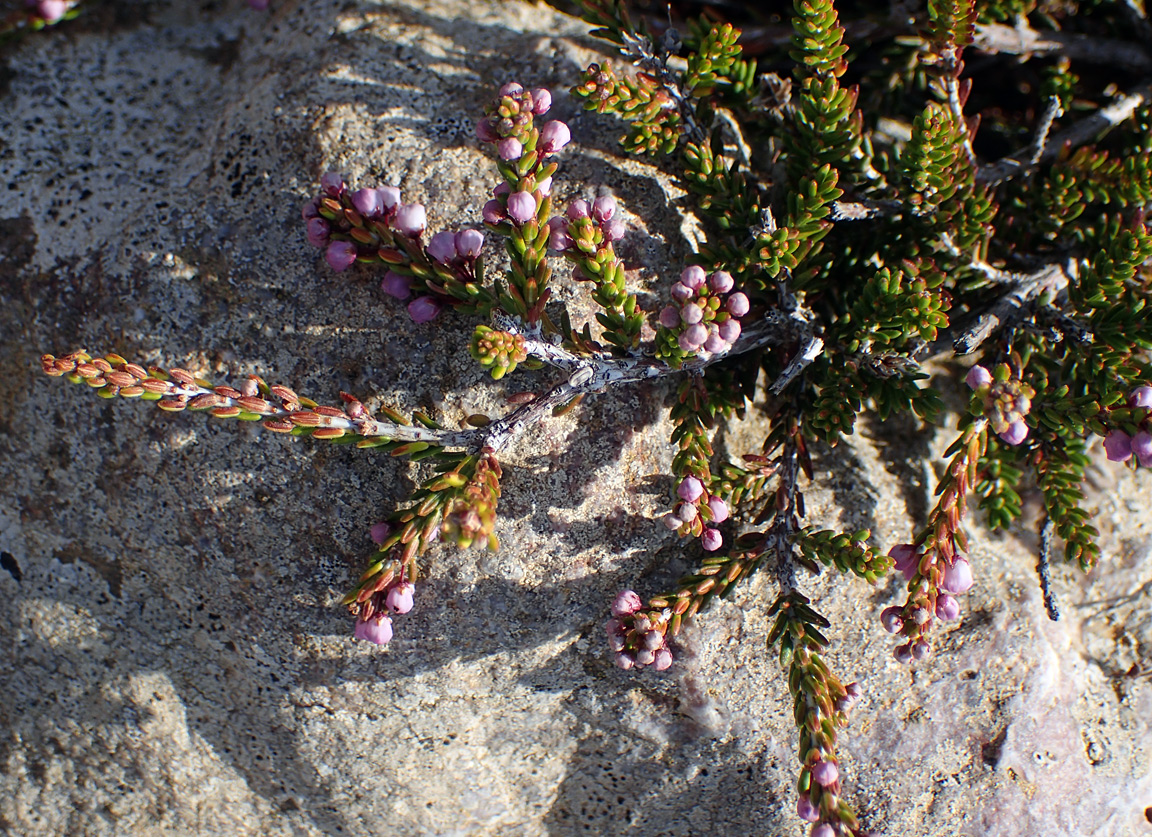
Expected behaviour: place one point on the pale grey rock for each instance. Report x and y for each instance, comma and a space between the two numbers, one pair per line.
174, 657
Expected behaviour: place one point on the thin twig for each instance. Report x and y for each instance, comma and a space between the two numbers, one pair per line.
1042, 570
1075, 135
1023, 40
1054, 277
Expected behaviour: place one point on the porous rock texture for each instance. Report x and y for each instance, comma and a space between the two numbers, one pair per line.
173, 656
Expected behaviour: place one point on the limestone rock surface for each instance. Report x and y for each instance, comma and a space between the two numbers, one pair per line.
173, 659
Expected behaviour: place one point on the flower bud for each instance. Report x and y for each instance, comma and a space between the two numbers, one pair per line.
614, 230
511, 89
730, 330
521, 207
545, 186
721, 281
340, 255
685, 512
51, 11
603, 208
690, 489
541, 100
644, 656
310, 210
947, 607
671, 521
693, 277
1141, 397
509, 148
663, 660
1142, 447
806, 810
691, 314
624, 660
377, 629
1016, 433
978, 377
423, 309
442, 247
903, 654
396, 285
469, 243
921, 650
626, 603
693, 338
332, 184
957, 576
380, 532
493, 212
1118, 446
715, 343
822, 830
368, 202
825, 773
652, 640
578, 209
553, 137
737, 304
892, 620
719, 509
711, 540
318, 230
399, 598
682, 293
389, 196
558, 238
410, 220
669, 316
484, 130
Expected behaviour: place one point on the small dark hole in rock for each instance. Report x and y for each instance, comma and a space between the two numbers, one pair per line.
1148, 813
8, 562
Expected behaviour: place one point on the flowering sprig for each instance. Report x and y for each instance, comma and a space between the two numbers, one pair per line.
33, 15
704, 317
373, 226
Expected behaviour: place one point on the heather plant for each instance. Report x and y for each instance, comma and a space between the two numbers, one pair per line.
854, 235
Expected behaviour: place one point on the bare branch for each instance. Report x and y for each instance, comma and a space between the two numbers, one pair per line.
1053, 277
1023, 40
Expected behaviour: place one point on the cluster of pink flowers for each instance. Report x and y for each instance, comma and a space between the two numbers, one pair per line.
826, 775
1006, 401
696, 511
1120, 446
374, 623
509, 124
957, 579
586, 227
701, 321
49, 11
637, 638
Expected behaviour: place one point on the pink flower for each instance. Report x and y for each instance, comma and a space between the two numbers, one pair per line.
681, 292
442, 247
626, 603
541, 101
578, 209
378, 629
380, 531
823, 830
624, 660
558, 238
693, 337
685, 512
410, 220
332, 184
1141, 397
340, 255
711, 540
921, 650
1016, 433
730, 330
310, 210
389, 196
485, 132
368, 202
719, 509
721, 281
423, 309
553, 137
1142, 447
891, 619
715, 343
511, 89
521, 207
469, 243
493, 212
947, 607
604, 208
663, 659
396, 285
957, 576
399, 598
509, 148
978, 377
613, 230
737, 304
905, 558
806, 810
671, 521
1118, 446
692, 277
318, 230
669, 316
825, 773
690, 489
903, 654
52, 10
691, 314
